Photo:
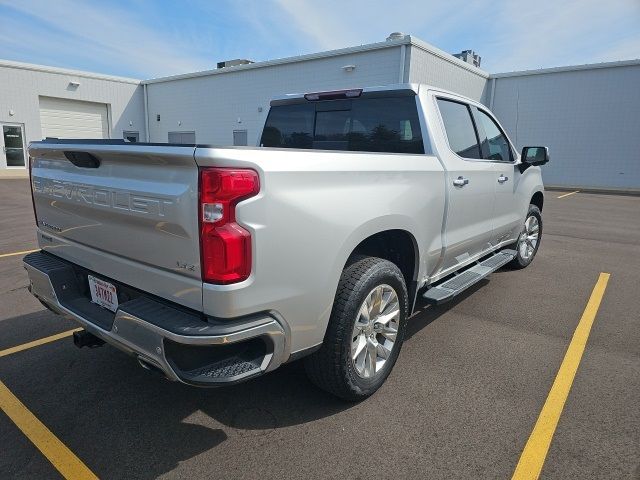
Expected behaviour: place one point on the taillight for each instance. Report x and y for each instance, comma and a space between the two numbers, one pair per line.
225, 247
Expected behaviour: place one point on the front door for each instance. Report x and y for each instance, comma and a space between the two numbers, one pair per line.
496, 148
13, 151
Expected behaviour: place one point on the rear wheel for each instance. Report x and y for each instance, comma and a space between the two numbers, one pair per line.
529, 239
365, 331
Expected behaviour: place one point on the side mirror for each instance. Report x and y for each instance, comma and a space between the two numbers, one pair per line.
535, 155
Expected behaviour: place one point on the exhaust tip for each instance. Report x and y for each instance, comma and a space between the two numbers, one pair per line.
151, 367
83, 338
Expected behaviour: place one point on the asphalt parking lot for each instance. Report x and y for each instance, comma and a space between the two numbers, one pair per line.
462, 401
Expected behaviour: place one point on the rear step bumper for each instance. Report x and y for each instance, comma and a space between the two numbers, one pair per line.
178, 343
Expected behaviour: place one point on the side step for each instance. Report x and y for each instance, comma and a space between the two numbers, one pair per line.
445, 291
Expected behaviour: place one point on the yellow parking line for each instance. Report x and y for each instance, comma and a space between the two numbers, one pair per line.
24, 252
35, 343
567, 194
535, 451
56, 452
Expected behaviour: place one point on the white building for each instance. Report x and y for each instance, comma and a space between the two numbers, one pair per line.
38, 101
587, 115
216, 103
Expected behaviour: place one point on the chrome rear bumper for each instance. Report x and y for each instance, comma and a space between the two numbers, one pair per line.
177, 342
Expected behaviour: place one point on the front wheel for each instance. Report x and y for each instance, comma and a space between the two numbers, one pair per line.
365, 331
529, 239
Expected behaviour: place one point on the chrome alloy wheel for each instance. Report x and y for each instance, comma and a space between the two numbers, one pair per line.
528, 240
375, 331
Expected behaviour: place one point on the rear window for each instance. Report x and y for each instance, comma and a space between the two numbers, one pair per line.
364, 124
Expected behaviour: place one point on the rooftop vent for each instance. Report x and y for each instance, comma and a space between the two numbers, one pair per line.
395, 36
469, 56
234, 63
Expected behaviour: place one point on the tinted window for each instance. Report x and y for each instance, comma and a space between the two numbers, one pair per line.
289, 126
459, 128
365, 124
332, 130
495, 145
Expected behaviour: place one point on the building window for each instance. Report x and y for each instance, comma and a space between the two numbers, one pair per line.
184, 138
240, 137
132, 137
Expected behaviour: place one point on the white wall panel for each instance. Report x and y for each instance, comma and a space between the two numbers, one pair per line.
431, 69
217, 104
589, 119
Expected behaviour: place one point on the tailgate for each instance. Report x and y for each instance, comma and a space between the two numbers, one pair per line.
126, 211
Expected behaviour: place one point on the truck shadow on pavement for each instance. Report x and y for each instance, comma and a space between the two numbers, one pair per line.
125, 422
426, 314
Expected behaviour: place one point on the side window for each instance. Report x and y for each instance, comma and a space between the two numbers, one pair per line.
459, 127
494, 144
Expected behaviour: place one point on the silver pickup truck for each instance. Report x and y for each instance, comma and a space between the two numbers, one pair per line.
213, 265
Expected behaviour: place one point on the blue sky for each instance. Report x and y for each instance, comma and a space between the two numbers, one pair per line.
151, 38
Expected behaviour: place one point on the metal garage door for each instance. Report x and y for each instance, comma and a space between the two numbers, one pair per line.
64, 118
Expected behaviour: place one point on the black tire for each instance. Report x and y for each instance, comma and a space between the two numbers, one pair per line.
520, 261
331, 367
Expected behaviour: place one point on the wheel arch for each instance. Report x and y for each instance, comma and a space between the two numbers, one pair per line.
397, 245
537, 199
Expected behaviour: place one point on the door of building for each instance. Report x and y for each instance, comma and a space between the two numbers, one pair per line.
13, 151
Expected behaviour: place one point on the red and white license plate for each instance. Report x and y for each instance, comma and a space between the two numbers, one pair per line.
103, 293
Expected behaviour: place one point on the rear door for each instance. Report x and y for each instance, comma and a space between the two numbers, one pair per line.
470, 183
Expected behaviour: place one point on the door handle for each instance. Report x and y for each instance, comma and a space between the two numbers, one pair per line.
502, 179
461, 181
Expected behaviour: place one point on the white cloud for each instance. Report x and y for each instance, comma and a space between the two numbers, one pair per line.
105, 33
551, 33
625, 49
509, 34
143, 40
318, 21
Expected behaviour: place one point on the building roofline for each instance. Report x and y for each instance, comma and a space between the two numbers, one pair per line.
406, 40
568, 68
66, 71
427, 47
286, 60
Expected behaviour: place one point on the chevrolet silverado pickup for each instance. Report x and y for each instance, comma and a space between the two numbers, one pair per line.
213, 265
